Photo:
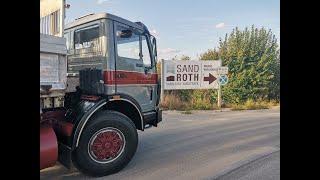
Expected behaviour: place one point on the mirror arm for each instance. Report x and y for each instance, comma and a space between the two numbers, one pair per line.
155, 50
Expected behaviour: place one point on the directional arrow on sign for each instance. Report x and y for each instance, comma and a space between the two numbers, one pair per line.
210, 78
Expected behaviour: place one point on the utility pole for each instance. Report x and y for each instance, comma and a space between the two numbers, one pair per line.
219, 96
219, 88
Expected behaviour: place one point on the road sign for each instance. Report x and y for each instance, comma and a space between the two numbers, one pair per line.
190, 74
223, 79
223, 70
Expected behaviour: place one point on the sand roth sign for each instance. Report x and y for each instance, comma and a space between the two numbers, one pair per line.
191, 74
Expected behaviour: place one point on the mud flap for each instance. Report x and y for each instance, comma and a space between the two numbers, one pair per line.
153, 118
159, 115
64, 156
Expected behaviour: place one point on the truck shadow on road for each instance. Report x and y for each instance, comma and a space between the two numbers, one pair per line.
61, 172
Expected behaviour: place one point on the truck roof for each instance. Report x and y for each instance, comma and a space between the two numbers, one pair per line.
93, 17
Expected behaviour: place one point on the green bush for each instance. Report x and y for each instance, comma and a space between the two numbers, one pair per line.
250, 104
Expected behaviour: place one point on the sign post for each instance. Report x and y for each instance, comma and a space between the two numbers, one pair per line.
219, 96
223, 80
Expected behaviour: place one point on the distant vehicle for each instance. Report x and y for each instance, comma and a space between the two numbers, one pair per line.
98, 86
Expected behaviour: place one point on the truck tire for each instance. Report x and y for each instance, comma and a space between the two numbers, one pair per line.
107, 144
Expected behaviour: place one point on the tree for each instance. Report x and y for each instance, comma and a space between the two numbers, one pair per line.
210, 55
253, 60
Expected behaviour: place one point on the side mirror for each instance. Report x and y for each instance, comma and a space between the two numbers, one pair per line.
154, 42
154, 50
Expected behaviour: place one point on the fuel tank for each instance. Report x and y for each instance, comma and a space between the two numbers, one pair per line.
48, 147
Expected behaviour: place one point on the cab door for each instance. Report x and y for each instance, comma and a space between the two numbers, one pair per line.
134, 75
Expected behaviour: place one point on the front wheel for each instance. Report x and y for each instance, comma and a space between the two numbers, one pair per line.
107, 144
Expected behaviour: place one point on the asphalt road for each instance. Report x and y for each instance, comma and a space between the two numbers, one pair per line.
202, 145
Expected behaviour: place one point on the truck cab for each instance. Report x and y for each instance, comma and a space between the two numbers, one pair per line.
111, 78
123, 51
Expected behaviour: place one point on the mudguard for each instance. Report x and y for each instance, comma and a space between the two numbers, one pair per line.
81, 114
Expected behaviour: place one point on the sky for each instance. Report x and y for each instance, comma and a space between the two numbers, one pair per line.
186, 27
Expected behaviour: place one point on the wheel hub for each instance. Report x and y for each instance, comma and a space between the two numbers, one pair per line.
106, 145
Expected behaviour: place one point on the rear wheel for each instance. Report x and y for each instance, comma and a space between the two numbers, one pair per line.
107, 144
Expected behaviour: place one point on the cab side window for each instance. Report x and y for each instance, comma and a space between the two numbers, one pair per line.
128, 43
145, 51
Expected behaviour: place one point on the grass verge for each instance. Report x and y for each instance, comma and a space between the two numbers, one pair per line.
253, 105
173, 102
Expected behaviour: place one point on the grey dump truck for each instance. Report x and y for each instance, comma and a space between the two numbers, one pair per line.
98, 86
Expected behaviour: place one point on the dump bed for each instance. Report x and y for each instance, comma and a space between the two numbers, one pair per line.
53, 65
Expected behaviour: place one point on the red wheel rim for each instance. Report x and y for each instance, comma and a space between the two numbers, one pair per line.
106, 145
